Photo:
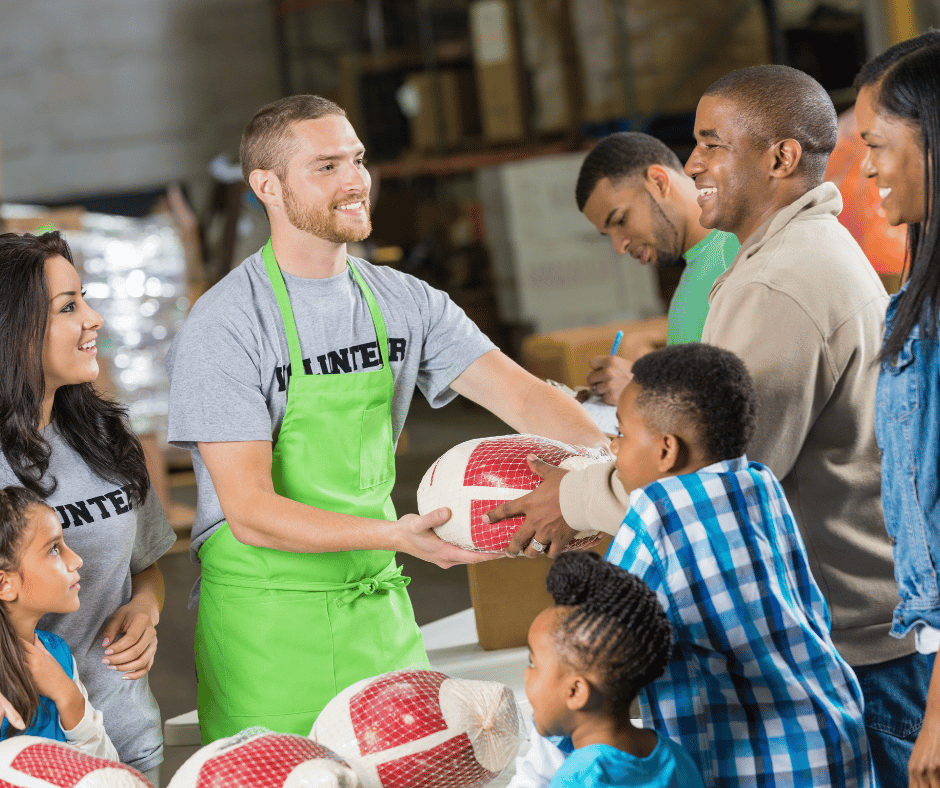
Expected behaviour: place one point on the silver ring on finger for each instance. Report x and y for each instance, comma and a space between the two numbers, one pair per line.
594, 388
536, 545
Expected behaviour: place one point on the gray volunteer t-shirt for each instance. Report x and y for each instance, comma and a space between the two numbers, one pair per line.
228, 364
115, 540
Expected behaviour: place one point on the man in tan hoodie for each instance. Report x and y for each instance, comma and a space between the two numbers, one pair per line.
803, 308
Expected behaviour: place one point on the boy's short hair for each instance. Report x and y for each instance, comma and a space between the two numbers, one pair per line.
617, 627
704, 386
268, 142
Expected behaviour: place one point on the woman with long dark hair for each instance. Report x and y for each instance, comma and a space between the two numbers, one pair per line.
901, 125
67, 444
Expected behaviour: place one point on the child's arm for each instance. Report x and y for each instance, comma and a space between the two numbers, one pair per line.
89, 735
80, 721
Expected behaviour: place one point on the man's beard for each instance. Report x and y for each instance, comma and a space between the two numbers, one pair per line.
668, 254
324, 224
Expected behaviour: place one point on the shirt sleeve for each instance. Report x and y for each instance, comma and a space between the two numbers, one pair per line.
451, 344
89, 734
536, 768
927, 640
154, 534
790, 364
593, 498
216, 392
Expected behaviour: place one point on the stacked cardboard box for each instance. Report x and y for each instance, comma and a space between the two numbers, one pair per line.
498, 70
445, 118
646, 56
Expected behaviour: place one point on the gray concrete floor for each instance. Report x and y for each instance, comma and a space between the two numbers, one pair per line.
435, 592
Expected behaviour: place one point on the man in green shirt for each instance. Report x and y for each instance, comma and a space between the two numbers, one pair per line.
633, 189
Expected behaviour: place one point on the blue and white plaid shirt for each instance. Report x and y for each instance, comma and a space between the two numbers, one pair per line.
755, 691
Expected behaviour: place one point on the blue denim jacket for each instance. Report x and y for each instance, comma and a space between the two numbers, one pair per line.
907, 426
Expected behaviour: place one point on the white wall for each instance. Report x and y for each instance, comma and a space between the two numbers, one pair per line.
103, 96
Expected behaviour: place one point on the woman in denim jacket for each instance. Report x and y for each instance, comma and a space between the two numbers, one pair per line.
899, 119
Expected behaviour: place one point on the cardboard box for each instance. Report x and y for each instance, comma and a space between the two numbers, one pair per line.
646, 56
549, 54
563, 355
507, 594
498, 69
445, 120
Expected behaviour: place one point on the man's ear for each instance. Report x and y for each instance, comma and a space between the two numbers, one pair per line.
659, 179
9, 586
266, 186
673, 454
786, 158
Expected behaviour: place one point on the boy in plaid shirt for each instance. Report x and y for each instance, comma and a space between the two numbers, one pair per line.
755, 691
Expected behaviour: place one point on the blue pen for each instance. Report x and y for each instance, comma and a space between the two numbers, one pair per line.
616, 346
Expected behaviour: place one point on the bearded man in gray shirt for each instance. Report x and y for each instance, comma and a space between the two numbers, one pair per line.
290, 383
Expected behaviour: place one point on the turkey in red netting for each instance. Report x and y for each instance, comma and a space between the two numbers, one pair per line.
32, 762
259, 758
421, 729
480, 474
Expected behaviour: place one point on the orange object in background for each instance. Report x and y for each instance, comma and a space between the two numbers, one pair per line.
862, 214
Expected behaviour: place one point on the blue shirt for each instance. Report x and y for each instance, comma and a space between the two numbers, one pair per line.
46, 722
603, 766
755, 691
907, 426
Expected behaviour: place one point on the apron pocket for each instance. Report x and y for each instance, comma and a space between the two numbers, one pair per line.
376, 453
277, 653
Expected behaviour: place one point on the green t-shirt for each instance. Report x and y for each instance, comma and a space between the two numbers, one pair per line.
704, 263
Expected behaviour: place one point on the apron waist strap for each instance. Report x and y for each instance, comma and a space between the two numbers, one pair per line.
389, 579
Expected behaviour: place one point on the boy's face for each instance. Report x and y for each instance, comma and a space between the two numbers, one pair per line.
638, 448
545, 684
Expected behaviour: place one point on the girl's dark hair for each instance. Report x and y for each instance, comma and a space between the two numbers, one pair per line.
909, 93
94, 427
875, 68
617, 627
16, 682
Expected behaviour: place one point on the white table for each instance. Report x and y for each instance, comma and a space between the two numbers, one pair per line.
453, 648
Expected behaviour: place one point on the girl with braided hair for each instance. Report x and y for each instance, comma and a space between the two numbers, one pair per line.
604, 639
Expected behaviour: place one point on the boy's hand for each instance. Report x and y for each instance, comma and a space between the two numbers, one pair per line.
543, 520
134, 650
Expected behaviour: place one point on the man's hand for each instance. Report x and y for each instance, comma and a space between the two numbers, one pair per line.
542, 511
609, 376
416, 538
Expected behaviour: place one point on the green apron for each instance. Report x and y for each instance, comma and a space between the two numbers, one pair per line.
279, 634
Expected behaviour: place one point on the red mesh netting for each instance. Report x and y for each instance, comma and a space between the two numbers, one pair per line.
31, 761
476, 476
413, 728
258, 758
